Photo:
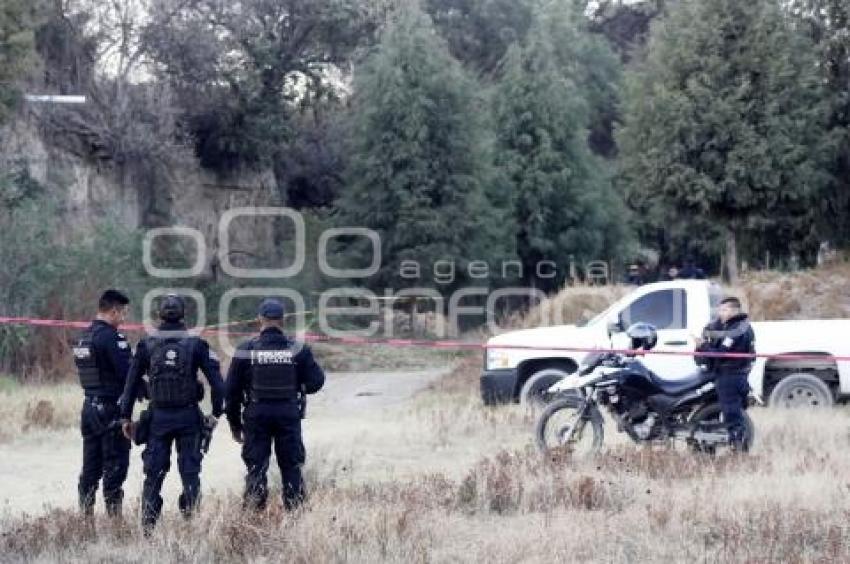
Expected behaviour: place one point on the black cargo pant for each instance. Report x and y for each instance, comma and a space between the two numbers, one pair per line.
732, 390
181, 427
106, 455
266, 424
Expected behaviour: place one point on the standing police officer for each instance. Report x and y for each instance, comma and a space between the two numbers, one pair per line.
270, 375
102, 356
730, 333
171, 359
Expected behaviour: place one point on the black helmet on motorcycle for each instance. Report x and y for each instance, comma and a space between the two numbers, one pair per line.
643, 336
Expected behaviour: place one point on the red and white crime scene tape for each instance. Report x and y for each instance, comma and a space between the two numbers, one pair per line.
428, 343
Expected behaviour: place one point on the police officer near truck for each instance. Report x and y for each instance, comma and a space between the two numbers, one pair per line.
729, 333
171, 358
269, 377
102, 356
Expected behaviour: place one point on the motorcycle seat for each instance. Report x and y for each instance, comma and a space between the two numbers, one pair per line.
681, 385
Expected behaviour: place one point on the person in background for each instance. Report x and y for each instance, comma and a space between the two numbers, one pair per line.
671, 274
691, 271
634, 275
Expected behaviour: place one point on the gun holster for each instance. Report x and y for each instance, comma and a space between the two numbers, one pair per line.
142, 429
206, 437
302, 404
97, 420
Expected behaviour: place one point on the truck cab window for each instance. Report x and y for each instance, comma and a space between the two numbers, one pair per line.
666, 309
714, 297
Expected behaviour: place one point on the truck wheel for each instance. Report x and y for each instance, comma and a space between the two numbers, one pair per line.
533, 394
801, 390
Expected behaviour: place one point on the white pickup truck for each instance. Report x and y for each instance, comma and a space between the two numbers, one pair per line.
678, 309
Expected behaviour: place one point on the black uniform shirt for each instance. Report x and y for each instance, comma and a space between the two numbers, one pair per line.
112, 355
735, 336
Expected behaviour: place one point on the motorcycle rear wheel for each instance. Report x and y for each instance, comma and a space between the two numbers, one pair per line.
711, 414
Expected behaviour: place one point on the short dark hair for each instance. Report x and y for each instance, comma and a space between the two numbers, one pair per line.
111, 299
273, 322
733, 301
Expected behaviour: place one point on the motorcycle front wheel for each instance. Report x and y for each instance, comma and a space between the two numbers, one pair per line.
571, 426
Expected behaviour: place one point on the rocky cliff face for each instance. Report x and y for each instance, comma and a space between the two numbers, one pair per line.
143, 195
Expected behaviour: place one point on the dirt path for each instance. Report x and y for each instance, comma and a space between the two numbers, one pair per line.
350, 414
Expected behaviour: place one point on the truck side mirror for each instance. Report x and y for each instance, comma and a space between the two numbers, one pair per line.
615, 326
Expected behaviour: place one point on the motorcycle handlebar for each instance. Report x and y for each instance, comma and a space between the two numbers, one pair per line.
594, 364
598, 361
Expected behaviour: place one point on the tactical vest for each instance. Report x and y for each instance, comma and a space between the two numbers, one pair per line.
172, 380
86, 361
273, 375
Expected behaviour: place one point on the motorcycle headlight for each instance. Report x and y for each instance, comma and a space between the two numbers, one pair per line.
496, 358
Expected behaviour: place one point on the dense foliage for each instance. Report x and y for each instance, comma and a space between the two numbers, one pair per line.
419, 161
17, 50
468, 130
724, 124
551, 88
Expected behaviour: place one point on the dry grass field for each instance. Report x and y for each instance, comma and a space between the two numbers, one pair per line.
463, 484
406, 465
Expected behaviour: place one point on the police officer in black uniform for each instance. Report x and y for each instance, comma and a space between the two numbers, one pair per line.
730, 333
102, 356
269, 376
171, 358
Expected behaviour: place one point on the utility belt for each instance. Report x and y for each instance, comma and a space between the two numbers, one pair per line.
102, 422
300, 400
294, 399
154, 405
101, 402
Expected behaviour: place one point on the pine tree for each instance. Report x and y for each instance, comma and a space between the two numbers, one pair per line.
827, 23
564, 206
724, 126
420, 163
17, 40
587, 58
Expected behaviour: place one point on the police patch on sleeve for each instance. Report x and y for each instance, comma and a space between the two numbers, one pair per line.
123, 345
213, 356
728, 342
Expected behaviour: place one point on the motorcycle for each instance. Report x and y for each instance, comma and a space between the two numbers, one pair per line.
648, 408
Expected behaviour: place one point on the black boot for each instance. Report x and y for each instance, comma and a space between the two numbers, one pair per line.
113, 510
255, 499
87, 504
188, 504
293, 489
113, 503
150, 515
293, 500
